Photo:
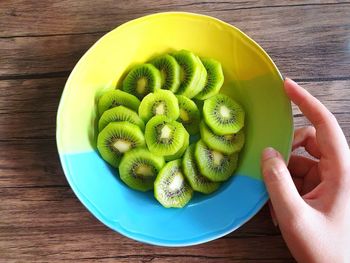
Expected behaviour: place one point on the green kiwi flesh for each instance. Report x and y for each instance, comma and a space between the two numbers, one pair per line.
118, 114
169, 71
214, 165
223, 115
141, 80
214, 81
189, 114
116, 139
139, 168
181, 151
227, 144
192, 73
197, 181
164, 136
161, 102
113, 98
171, 188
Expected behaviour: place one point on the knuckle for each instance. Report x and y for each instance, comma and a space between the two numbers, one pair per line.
274, 170
310, 130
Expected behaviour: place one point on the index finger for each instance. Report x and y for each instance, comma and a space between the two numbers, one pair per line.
330, 137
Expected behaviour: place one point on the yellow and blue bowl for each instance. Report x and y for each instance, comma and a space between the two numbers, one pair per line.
251, 78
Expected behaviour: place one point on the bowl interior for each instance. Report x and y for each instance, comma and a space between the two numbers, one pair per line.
250, 77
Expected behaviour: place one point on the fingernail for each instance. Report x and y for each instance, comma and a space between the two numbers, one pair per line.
289, 79
269, 153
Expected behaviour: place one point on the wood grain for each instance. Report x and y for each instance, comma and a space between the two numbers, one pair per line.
41, 220
286, 38
23, 17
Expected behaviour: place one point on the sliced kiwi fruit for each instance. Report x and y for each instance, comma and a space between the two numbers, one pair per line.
116, 139
171, 188
227, 144
214, 81
223, 115
169, 72
197, 181
214, 165
189, 114
161, 102
181, 151
113, 98
139, 168
164, 136
192, 73
118, 114
141, 80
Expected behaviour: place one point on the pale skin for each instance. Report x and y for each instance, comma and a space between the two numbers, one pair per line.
310, 199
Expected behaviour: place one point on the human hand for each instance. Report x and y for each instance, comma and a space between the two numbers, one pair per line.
311, 201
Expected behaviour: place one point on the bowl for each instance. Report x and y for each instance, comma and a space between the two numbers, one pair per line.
251, 78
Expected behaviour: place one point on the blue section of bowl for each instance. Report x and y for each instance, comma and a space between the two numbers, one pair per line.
139, 216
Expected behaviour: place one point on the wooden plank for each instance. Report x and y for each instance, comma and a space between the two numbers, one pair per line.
28, 108
48, 223
306, 48
42, 55
26, 163
21, 17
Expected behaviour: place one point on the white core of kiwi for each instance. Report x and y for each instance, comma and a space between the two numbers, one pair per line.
224, 111
122, 145
217, 157
144, 170
165, 132
176, 183
160, 109
141, 85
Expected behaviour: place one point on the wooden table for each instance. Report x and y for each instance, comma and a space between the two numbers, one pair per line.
40, 42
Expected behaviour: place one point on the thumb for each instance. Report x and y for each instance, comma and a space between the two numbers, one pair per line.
285, 199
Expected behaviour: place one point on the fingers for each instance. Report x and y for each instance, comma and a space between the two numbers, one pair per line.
306, 137
273, 214
299, 166
284, 196
329, 136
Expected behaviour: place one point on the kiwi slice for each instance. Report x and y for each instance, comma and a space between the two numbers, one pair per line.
120, 113
117, 138
214, 81
181, 151
227, 144
223, 115
113, 98
164, 136
189, 114
142, 80
197, 181
192, 73
139, 168
161, 102
171, 188
169, 72
214, 165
